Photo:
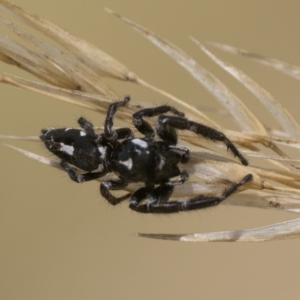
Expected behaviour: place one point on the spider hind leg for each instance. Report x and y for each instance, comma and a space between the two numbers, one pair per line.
164, 206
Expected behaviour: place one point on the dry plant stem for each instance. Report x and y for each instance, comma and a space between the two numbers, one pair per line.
49, 51
21, 138
272, 105
91, 55
291, 70
241, 114
61, 64
6, 79
266, 200
203, 118
238, 110
81, 66
279, 231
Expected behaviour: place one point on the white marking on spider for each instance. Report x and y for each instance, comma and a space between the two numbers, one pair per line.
80, 178
161, 162
107, 184
102, 151
184, 205
82, 133
47, 132
141, 143
127, 163
68, 129
66, 148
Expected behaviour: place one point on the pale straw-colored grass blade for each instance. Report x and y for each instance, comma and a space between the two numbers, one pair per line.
62, 64
277, 110
279, 231
59, 93
93, 57
289, 69
242, 115
87, 55
74, 78
31, 62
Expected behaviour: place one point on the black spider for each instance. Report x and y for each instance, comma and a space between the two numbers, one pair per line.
147, 160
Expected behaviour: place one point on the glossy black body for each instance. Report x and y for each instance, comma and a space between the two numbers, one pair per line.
149, 160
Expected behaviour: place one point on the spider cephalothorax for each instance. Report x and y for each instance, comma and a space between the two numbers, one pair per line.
154, 162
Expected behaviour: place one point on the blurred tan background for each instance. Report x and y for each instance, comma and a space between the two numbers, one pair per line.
60, 240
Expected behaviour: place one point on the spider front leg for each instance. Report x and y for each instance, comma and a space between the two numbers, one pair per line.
114, 185
81, 177
205, 131
110, 134
88, 128
145, 128
198, 202
124, 133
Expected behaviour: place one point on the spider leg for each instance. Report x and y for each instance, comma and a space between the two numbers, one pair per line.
184, 176
145, 128
191, 204
124, 133
121, 133
81, 177
105, 188
186, 152
88, 128
137, 197
110, 134
205, 131
159, 196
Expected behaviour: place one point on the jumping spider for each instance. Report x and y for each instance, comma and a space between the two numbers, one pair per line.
148, 160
